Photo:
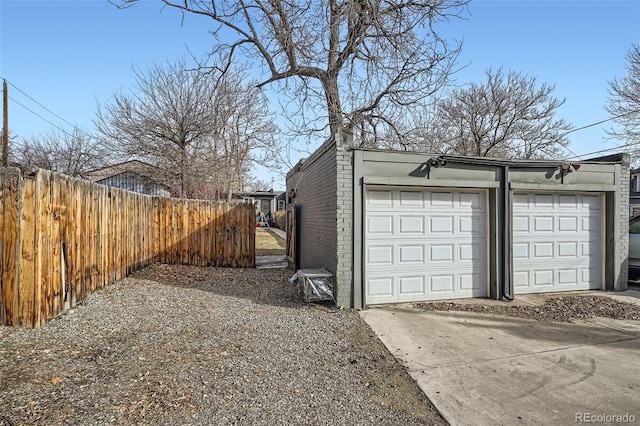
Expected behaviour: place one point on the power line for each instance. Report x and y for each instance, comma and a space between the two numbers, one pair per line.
570, 151
38, 103
41, 117
602, 121
595, 124
609, 149
75, 127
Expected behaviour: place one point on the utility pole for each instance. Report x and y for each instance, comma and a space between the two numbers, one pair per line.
5, 125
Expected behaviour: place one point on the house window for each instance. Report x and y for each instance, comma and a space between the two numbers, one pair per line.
280, 204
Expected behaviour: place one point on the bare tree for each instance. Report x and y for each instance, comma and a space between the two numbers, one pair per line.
624, 100
508, 116
68, 153
363, 61
203, 129
244, 134
260, 185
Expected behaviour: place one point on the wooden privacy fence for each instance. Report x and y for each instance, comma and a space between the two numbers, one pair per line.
62, 238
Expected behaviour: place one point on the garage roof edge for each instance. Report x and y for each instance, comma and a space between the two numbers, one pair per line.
610, 159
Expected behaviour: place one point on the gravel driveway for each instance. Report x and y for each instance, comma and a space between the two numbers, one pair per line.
188, 345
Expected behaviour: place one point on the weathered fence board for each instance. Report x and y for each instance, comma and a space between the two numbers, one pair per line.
2, 244
63, 238
11, 187
27, 255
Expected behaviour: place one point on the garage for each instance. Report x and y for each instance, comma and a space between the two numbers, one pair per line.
557, 242
404, 227
424, 244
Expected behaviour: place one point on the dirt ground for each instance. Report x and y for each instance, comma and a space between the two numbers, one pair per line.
180, 345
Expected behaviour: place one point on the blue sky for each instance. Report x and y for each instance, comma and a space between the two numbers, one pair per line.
71, 55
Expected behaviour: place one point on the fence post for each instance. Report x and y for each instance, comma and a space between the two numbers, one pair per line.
291, 253
10, 287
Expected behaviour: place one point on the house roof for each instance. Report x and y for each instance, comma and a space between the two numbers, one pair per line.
255, 194
136, 166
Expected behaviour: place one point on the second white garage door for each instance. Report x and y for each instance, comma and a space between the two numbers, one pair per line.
557, 242
424, 245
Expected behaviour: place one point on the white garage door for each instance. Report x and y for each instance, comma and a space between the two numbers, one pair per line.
424, 245
557, 243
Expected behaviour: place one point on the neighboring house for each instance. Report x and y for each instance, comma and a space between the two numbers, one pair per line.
634, 192
266, 202
405, 227
281, 201
134, 175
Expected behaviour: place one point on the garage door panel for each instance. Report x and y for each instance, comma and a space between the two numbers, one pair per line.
411, 254
543, 250
568, 202
556, 242
568, 250
471, 201
471, 283
541, 201
543, 224
589, 248
543, 278
441, 283
379, 198
380, 225
591, 224
471, 226
441, 253
411, 199
520, 200
521, 251
408, 287
521, 280
380, 255
410, 225
411, 286
440, 199
520, 224
380, 287
471, 252
430, 245
442, 225
568, 277
568, 224
589, 277
591, 203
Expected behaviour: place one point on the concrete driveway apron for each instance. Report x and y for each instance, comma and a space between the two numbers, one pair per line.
481, 369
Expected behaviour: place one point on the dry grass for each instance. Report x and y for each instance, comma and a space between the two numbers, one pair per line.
268, 243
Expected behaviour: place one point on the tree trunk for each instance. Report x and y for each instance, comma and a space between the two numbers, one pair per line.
334, 110
183, 172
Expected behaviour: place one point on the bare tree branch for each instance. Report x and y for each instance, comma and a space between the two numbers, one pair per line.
624, 101
361, 59
507, 116
203, 128
67, 153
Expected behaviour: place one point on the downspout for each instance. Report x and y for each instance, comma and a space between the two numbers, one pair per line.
505, 225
